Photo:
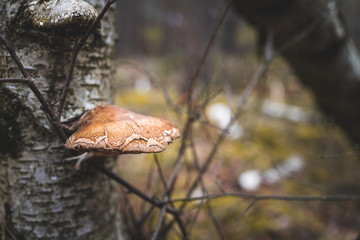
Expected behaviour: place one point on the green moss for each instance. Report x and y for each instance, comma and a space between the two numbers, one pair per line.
307, 132
272, 141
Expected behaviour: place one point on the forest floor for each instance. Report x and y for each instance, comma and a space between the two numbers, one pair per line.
280, 145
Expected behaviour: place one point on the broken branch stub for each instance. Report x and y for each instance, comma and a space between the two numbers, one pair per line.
61, 14
110, 129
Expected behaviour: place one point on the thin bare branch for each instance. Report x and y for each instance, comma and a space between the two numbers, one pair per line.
190, 118
194, 219
139, 193
21, 67
75, 53
181, 225
45, 105
303, 198
258, 74
214, 221
148, 184
155, 82
197, 165
146, 216
161, 174
190, 114
14, 80
179, 160
128, 211
250, 205
194, 79
270, 54
160, 222
128, 186
166, 196
304, 33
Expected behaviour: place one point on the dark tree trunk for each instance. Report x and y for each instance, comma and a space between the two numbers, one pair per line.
41, 195
324, 60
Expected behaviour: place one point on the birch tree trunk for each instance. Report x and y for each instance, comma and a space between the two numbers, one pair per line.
41, 195
323, 59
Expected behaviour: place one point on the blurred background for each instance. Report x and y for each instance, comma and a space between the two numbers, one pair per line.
281, 143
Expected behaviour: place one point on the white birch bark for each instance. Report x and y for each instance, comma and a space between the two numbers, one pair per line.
41, 195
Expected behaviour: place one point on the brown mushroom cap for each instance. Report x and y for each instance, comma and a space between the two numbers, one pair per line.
113, 130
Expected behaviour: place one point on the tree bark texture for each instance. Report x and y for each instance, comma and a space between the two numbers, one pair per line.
324, 59
41, 195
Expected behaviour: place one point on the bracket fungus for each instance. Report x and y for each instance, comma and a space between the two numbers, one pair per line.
108, 129
61, 14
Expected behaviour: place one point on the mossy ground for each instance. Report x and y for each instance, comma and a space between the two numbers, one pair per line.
330, 163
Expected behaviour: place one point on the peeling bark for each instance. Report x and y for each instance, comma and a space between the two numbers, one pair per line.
41, 195
324, 60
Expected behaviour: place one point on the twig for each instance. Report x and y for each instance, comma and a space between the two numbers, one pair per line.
299, 183
130, 216
128, 186
195, 217
145, 216
260, 71
142, 195
14, 80
221, 137
190, 118
269, 56
204, 190
161, 174
304, 33
304, 198
180, 158
148, 184
209, 97
194, 79
74, 55
154, 80
160, 222
197, 165
144, 67
15, 57
190, 115
258, 74
249, 88
166, 196
45, 105
181, 225
250, 205
214, 221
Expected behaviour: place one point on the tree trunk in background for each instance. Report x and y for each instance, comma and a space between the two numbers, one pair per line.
41, 195
351, 9
323, 60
